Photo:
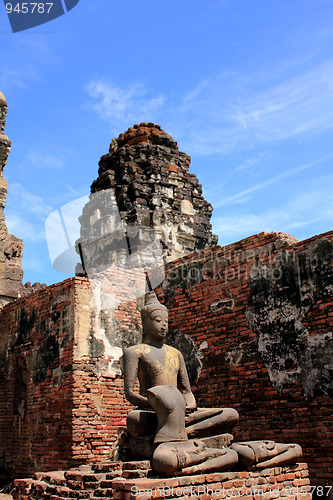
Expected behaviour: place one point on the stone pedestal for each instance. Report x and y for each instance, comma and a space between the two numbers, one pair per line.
134, 480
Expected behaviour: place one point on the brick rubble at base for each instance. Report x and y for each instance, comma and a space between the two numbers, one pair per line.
114, 480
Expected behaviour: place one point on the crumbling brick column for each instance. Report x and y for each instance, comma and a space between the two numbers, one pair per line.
10, 247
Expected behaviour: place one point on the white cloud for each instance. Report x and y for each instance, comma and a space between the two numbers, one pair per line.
244, 224
22, 78
196, 91
27, 203
236, 227
295, 106
248, 111
24, 60
308, 208
24, 228
123, 106
228, 111
242, 195
34, 264
45, 160
25, 213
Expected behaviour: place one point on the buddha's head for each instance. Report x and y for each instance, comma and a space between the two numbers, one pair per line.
154, 319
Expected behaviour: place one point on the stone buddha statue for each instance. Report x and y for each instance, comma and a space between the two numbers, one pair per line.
173, 451
166, 426
154, 363
262, 454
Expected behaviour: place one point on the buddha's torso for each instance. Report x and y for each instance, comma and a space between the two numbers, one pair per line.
157, 366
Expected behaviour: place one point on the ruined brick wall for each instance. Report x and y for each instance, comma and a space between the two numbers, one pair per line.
261, 315
99, 404
61, 397
36, 344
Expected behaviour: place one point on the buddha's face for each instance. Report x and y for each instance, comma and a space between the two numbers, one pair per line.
156, 324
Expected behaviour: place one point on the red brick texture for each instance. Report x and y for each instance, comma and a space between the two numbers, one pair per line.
60, 405
279, 483
211, 307
56, 409
36, 380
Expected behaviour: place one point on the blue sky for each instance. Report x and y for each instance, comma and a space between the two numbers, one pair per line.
246, 89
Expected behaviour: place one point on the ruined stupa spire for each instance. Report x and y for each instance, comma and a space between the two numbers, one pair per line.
151, 187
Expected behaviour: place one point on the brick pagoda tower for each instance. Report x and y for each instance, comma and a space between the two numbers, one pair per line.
144, 184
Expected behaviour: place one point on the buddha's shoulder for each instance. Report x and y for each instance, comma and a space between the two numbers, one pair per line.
137, 349
172, 350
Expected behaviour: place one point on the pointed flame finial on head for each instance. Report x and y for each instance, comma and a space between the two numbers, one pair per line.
151, 298
152, 304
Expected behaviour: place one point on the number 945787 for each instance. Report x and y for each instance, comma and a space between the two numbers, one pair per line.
29, 7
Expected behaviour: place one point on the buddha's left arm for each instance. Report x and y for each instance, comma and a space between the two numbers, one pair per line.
185, 386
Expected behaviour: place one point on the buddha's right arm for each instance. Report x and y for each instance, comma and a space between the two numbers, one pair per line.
131, 363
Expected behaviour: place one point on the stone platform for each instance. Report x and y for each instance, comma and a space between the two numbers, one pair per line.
134, 480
